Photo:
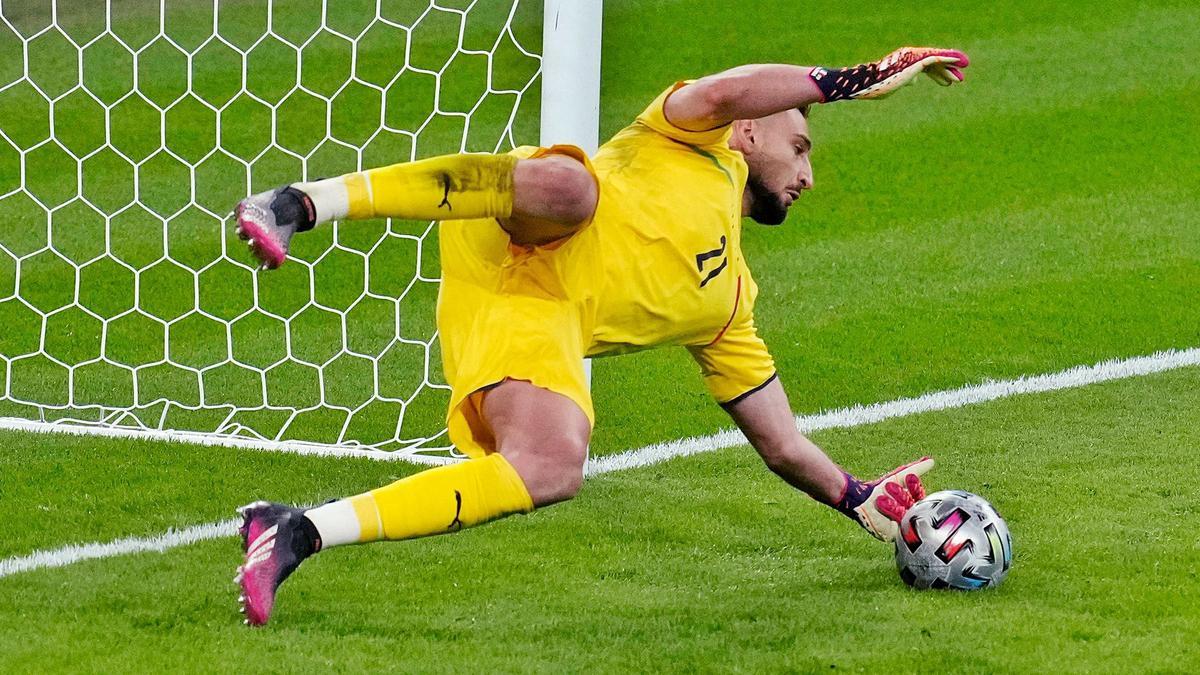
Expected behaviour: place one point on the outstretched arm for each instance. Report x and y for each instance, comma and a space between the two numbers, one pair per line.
766, 419
754, 91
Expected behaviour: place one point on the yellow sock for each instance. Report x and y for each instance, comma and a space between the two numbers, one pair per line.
439, 188
436, 501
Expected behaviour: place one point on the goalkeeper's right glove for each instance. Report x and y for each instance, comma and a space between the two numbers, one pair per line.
881, 78
879, 505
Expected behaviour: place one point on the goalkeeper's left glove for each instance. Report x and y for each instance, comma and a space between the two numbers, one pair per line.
879, 505
880, 78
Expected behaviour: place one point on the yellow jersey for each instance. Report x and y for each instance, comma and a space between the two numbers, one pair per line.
660, 263
669, 224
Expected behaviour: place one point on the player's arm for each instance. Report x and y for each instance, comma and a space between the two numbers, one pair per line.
767, 420
754, 91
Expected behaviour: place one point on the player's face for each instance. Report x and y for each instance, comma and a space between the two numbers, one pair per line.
779, 166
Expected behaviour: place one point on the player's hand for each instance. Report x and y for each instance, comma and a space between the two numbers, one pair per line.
890, 497
883, 77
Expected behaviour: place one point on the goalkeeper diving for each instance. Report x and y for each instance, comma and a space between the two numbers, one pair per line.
550, 256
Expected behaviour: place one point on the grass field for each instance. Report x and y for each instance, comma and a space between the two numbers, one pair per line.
1040, 216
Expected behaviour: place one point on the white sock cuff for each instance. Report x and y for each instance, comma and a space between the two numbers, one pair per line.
330, 198
336, 522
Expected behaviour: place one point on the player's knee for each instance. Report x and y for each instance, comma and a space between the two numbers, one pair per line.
552, 467
556, 188
565, 459
577, 193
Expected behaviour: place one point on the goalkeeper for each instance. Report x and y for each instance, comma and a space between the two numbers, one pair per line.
549, 257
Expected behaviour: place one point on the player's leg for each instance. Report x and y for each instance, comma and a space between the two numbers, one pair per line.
277, 538
541, 440
553, 196
538, 200
543, 435
541, 446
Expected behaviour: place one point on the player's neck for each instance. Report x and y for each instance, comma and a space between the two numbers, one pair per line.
747, 202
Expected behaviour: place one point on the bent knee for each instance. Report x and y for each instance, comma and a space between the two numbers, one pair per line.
555, 188
571, 187
551, 468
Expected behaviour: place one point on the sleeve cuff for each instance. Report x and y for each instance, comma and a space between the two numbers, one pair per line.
741, 397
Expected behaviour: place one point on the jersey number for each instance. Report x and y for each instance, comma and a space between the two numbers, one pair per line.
701, 258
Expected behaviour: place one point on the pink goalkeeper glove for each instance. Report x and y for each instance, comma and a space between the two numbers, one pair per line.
882, 77
879, 505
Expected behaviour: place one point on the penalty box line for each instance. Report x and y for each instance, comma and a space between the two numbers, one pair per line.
859, 415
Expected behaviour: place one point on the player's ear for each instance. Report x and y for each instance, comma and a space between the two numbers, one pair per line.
743, 136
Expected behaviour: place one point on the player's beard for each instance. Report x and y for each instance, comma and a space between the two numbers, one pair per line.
766, 207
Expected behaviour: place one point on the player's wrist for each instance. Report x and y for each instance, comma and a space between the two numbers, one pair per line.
843, 84
853, 495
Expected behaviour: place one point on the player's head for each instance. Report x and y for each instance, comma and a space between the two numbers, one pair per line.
777, 150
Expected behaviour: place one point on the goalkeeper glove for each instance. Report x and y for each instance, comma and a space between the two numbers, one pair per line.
879, 505
882, 77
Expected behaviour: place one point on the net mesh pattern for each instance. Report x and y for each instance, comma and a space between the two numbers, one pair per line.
129, 129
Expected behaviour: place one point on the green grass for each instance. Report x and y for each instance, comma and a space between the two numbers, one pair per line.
1039, 216
705, 563
167, 279
928, 256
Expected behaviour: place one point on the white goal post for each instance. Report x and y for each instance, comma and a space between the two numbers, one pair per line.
129, 129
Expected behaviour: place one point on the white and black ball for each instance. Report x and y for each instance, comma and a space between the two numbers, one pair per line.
953, 539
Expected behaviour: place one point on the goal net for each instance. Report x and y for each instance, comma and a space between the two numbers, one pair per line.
130, 128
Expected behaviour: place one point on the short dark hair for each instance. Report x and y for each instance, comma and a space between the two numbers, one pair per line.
804, 110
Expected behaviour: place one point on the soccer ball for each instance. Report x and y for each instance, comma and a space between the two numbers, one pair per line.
953, 539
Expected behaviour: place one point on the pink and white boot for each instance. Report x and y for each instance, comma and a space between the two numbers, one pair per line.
268, 220
276, 538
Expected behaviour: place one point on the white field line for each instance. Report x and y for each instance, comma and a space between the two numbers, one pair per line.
838, 419
198, 438
858, 415
74, 553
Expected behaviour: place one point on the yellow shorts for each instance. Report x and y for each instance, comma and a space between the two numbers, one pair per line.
512, 312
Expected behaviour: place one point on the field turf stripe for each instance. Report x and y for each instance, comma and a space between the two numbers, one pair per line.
68, 555
1114, 369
